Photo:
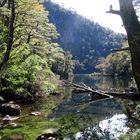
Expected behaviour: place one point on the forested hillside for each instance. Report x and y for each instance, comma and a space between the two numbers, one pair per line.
117, 63
86, 40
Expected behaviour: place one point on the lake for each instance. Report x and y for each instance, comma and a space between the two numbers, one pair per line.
76, 116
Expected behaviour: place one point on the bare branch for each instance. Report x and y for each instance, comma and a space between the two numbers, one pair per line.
117, 12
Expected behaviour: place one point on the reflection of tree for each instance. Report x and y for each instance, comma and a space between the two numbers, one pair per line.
130, 109
115, 83
89, 128
68, 92
71, 124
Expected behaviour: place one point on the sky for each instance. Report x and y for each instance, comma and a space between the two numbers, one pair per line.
96, 11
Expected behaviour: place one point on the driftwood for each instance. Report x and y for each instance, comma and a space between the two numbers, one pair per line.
85, 89
88, 89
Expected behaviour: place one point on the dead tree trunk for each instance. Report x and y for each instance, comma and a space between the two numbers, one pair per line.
10, 36
132, 26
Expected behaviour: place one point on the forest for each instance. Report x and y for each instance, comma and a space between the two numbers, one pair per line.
30, 56
87, 41
64, 76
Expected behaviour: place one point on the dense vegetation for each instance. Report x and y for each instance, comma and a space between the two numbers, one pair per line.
117, 63
86, 40
34, 57
32, 63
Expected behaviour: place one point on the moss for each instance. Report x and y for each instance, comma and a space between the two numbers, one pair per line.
134, 135
33, 126
31, 129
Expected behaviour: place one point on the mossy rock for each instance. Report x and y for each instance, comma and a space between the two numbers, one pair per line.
10, 109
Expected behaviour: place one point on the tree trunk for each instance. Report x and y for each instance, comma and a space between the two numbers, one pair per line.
132, 26
10, 36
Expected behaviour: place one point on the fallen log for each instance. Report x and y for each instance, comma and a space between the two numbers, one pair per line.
85, 89
88, 89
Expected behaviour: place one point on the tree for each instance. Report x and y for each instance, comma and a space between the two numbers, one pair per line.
132, 26
10, 34
27, 47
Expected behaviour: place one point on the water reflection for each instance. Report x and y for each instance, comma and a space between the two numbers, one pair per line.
102, 108
109, 129
84, 104
107, 115
78, 116
104, 82
80, 127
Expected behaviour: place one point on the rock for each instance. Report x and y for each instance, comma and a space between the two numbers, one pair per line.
16, 137
13, 125
11, 95
9, 118
79, 136
1, 99
56, 93
13, 136
8, 94
46, 137
36, 113
49, 134
10, 108
68, 138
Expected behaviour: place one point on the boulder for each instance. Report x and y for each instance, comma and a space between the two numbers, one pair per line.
36, 113
10, 108
49, 134
9, 94
9, 118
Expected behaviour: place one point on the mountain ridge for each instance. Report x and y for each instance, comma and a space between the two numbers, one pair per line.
86, 40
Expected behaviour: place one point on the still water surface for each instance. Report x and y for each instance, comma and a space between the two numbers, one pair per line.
76, 116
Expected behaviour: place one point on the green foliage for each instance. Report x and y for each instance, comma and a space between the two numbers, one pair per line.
34, 51
71, 124
135, 135
64, 66
118, 63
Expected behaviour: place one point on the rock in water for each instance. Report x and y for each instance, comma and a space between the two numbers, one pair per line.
49, 134
10, 108
9, 118
36, 113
